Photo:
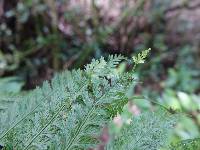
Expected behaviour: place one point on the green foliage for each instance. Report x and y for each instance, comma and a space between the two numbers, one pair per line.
64, 39
140, 58
70, 111
191, 144
10, 84
149, 131
102, 68
6, 100
66, 113
179, 79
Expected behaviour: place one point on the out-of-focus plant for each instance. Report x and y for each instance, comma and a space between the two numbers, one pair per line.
178, 92
183, 79
189, 125
10, 85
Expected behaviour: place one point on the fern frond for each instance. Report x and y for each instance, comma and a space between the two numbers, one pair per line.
140, 57
7, 99
66, 113
114, 60
148, 131
102, 68
32, 113
93, 116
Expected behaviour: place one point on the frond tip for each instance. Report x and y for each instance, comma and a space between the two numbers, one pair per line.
140, 57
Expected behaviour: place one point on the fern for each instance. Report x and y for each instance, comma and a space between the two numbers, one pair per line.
148, 131
140, 57
6, 100
66, 113
70, 111
102, 68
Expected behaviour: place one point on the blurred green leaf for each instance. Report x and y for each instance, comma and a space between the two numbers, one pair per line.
10, 84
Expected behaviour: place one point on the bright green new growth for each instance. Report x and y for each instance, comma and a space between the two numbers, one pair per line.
140, 57
69, 112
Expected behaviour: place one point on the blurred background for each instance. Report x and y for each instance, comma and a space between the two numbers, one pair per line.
41, 37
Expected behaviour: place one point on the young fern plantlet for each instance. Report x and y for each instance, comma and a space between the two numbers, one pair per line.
70, 111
